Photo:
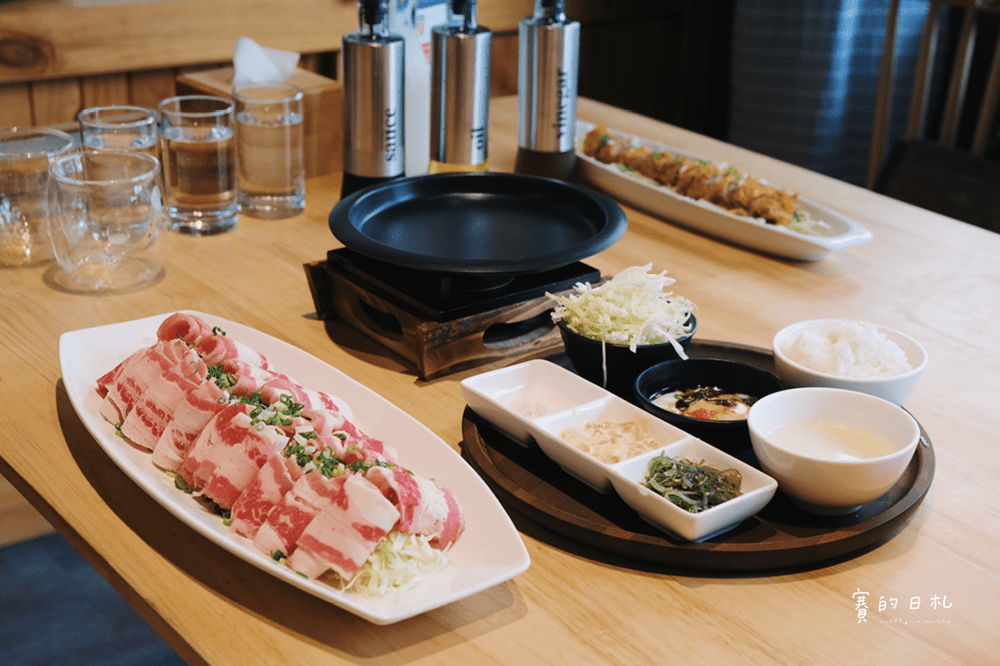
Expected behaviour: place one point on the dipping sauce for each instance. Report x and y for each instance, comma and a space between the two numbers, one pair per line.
708, 403
829, 441
611, 442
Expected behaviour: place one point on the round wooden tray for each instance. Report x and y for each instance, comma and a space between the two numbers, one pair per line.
782, 536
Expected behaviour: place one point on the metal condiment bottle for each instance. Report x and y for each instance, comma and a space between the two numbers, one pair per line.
548, 64
373, 100
460, 92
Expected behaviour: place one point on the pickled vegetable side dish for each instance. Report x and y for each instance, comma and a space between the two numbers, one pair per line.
691, 486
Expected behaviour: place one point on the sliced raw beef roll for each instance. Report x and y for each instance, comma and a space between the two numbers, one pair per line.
226, 429
154, 410
345, 532
309, 399
247, 379
189, 419
273, 481
183, 326
280, 532
326, 424
424, 507
361, 447
123, 386
217, 349
237, 466
229, 453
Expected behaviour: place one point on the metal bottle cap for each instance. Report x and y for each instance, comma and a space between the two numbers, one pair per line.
373, 96
460, 89
548, 58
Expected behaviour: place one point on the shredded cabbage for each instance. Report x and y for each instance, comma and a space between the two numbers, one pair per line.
631, 308
398, 559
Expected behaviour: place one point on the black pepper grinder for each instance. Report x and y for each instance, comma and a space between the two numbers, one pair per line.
373, 100
460, 91
548, 65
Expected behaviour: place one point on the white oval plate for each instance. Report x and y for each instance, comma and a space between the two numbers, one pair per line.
489, 552
700, 215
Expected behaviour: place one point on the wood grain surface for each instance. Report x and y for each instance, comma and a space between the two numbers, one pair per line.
66, 38
938, 578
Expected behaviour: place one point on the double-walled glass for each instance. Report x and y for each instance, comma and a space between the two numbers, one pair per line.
106, 217
25, 157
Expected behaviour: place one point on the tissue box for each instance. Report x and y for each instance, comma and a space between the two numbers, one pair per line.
323, 110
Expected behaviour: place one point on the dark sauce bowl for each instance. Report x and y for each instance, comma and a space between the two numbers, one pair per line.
729, 376
623, 364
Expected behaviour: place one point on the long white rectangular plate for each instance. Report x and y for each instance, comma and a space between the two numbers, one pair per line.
713, 220
488, 553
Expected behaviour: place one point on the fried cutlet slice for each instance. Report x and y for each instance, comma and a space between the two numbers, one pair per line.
610, 151
774, 206
744, 195
674, 168
634, 157
595, 138
720, 186
693, 181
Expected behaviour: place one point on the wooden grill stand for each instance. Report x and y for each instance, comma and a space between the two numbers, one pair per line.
511, 333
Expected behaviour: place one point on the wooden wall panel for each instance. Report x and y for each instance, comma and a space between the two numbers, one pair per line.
55, 39
15, 105
55, 102
104, 90
503, 64
149, 88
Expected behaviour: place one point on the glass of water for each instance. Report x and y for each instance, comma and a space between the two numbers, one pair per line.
120, 128
198, 150
270, 161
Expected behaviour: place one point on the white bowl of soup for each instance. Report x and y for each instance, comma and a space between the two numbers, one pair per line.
832, 450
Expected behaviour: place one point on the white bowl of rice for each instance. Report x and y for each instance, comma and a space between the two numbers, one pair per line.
858, 356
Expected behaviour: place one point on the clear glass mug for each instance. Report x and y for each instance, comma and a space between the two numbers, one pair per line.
25, 157
106, 218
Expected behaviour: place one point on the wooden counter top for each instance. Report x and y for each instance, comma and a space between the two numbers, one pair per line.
935, 278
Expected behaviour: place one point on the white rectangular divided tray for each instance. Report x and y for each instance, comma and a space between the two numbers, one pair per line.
535, 401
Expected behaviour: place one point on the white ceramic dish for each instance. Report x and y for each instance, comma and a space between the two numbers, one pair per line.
818, 481
713, 220
558, 399
757, 489
488, 553
610, 408
895, 388
513, 397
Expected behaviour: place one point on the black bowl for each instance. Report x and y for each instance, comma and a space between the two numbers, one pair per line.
623, 364
730, 376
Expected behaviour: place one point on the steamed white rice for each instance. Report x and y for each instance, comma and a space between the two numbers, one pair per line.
848, 349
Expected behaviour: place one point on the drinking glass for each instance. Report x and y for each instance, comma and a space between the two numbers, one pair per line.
106, 218
25, 156
120, 128
270, 161
199, 164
